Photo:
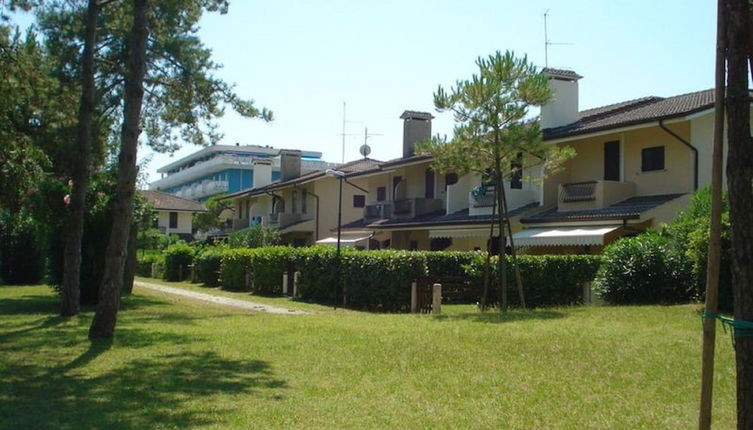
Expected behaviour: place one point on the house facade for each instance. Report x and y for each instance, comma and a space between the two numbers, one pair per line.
636, 165
228, 169
173, 215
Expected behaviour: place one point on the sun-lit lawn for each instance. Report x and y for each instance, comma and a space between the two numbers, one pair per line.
177, 363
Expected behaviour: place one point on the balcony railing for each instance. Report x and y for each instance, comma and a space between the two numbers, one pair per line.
578, 192
377, 211
411, 208
485, 200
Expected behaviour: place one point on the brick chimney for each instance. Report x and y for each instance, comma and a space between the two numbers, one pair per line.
290, 164
416, 127
563, 109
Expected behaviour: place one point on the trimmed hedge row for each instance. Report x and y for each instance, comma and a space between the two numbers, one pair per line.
207, 266
380, 280
177, 256
548, 280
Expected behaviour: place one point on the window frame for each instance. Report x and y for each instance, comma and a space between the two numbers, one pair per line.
653, 165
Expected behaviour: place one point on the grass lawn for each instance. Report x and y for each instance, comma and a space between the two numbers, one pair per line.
178, 363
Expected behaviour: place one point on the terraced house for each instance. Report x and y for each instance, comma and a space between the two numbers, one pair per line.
637, 163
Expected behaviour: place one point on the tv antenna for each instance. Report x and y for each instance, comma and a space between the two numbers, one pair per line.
365, 149
547, 42
344, 135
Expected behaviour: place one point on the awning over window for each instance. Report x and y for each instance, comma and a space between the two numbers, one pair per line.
562, 236
345, 239
455, 233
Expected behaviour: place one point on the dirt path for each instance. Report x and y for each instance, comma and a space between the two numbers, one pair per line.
225, 301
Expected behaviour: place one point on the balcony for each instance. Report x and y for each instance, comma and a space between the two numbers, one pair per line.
378, 211
240, 223
593, 194
411, 208
281, 219
485, 200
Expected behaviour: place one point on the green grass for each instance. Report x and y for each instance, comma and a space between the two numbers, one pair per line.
178, 363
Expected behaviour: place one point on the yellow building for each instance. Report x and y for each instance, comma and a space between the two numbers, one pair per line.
636, 164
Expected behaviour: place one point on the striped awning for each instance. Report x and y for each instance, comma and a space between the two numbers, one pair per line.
455, 233
562, 236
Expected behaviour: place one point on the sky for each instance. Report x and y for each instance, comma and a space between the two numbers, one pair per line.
303, 59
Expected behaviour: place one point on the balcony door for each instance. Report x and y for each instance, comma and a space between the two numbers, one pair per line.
612, 161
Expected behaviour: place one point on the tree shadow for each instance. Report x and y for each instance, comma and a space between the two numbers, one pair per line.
144, 393
496, 317
30, 304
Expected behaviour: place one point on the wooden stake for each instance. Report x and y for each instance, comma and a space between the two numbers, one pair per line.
712, 278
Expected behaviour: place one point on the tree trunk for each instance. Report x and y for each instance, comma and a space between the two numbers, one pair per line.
740, 180
103, 325
129, 270
70, 294
501, 262
518, 279
488, 262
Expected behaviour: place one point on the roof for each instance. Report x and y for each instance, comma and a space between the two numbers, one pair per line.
168, 202
349, 167
436, 218
632, 112
560, 73
631, 208
412, 114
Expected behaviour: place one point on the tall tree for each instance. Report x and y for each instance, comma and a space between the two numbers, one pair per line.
103, 325
740, 187
169, 70
494, 137
75, 224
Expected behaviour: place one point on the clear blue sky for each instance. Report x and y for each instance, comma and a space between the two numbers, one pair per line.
302, 59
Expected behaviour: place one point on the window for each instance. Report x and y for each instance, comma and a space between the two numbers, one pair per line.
440, 243
381, 194
359, 200
451, 179
304, 196
294, 199
652, 159
414, 245
173, 219
429, 190
516, 173
395, 186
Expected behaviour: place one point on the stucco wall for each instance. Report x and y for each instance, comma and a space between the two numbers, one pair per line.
185, 220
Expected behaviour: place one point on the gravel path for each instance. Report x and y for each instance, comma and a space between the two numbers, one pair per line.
225, 301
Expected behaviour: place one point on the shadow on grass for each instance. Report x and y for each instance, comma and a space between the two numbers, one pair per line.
494, 317
166, 391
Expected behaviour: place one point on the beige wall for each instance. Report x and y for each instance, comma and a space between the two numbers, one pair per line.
327, 189
185, 220
588, 164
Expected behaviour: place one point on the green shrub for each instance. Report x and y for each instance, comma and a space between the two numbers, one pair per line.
646, 269
144, 263
254, 237
207, 265
235, 263
265, 265
548, 280
447, 263
380, 280
318, 273
177, 256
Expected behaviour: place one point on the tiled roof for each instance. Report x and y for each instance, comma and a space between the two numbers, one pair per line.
560, 73
358, 165
436, 218
633, 112
627, 209
168, 202
412, 114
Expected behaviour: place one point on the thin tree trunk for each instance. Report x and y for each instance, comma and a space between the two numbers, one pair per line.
70, 294
518, 279
501, 262
103, 325
488, 263
714, 253
739, 180
129, 270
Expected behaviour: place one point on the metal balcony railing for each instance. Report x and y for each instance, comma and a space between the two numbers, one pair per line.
578, 192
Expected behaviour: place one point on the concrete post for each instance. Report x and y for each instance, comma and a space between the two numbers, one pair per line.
436, 299
296, 280
587, 293
154, 270
192, 272
247, 281
413, 297
180, 272
285, 284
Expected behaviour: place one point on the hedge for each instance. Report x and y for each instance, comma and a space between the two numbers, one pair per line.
380, 280
265, 265
144, 263
548, 280
207, 266
177, 256
646, 269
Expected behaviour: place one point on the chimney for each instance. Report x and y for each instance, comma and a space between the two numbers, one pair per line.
262, 172
416, 127
563, 109
290, 164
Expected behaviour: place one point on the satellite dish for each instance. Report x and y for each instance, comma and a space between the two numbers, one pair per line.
365, 150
